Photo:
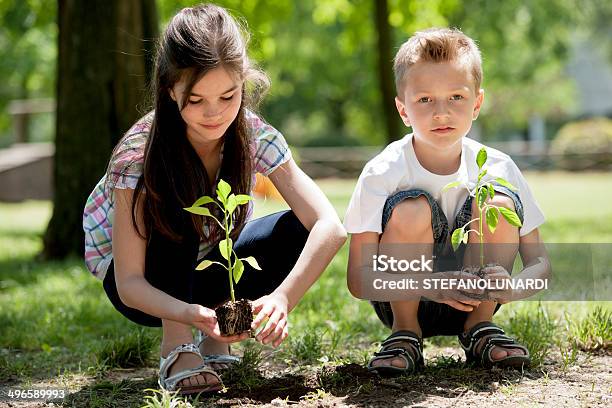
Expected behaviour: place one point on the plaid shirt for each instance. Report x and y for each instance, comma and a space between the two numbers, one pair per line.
269, 150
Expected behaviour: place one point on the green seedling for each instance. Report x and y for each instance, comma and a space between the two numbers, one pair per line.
227, 202
487, 212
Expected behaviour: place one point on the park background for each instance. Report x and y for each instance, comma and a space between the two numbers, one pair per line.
74, 77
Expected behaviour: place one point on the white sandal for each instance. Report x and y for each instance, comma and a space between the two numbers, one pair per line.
226, 359
170, 383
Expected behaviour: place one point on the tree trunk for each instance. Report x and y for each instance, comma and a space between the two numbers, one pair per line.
385, 70
101, 82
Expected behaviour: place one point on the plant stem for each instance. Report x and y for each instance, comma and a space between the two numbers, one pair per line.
481, 209
229, 259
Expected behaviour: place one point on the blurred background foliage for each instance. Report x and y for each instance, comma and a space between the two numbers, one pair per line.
28, 40
322, 58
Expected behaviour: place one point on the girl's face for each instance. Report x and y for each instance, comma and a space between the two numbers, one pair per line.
211, 107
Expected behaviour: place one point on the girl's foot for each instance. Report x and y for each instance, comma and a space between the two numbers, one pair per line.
186, 361
208, 347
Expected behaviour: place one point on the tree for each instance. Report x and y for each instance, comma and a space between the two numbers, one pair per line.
385, 70
102, 72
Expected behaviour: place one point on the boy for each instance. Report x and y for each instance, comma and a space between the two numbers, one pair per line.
398, 200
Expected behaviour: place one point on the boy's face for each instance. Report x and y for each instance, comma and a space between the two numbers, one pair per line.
439, 102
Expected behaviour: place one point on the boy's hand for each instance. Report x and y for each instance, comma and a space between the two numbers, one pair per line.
453, 297
496, 275
274, 307
205, 319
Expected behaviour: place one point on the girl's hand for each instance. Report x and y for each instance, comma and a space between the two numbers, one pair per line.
205, 319
274, 307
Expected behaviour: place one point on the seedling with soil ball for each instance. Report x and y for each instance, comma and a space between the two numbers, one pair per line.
486, 212
234, 316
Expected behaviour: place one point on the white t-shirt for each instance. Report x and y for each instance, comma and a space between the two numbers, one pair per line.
397, 168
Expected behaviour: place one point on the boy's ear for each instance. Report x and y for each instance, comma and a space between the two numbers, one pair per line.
478, 104
401, 108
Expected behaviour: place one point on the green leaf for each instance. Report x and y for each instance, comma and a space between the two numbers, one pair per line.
223, 248
504, 183
203, 265
251, 261
481, 175
457, 237
243, 199
492, 216
510, 216
238, 269
199, 211
491, 191
451, 185
223, 190
202, 200
481, 159
232, 203
482, 196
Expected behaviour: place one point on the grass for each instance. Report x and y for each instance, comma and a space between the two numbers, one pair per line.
592, 333
58, 326
132, 350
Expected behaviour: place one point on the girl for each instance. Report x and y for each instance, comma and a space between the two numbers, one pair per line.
145, 247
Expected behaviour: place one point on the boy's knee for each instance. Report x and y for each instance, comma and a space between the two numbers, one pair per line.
414, 213
500, 200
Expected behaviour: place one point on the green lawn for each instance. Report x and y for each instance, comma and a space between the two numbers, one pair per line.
57, 325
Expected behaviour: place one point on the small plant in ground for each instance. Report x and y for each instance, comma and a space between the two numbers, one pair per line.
446, 362
487, 212
165, 399
307, 347
316, 395
234, 317
594, 332
244, 374
569, 354
536, 330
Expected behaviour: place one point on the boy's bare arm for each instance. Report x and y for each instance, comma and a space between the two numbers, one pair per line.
535, 259
536, 265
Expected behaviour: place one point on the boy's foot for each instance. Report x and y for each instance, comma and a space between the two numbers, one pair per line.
400, 353
186, 361
497, 352
487, 345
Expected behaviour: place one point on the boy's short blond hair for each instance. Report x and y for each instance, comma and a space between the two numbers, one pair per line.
437, 45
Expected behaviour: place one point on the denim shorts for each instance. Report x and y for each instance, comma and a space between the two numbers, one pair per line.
439, 319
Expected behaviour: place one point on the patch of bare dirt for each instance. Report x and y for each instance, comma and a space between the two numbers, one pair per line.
445, 382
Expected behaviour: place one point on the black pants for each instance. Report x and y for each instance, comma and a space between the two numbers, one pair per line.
276, 241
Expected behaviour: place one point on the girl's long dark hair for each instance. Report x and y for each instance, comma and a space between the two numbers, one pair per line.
197, 40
